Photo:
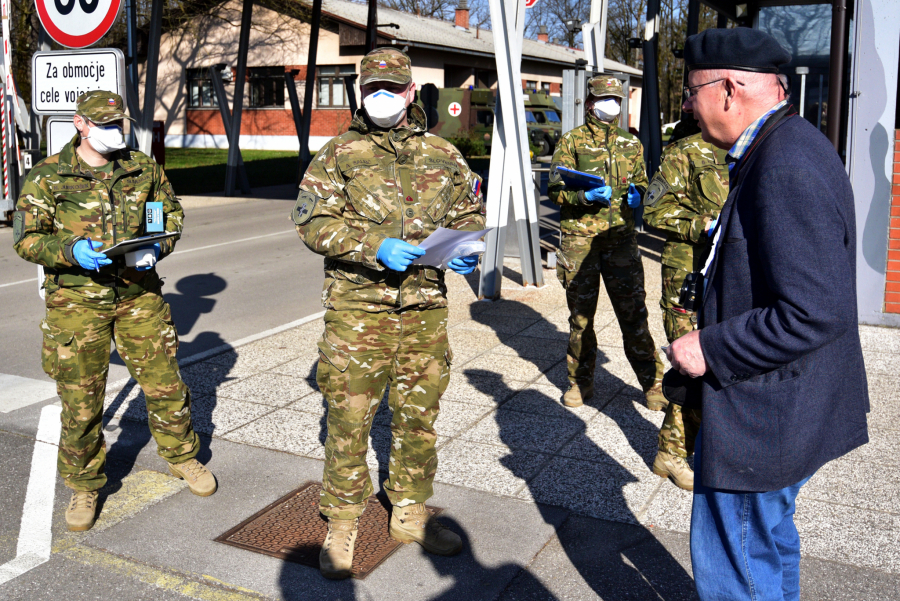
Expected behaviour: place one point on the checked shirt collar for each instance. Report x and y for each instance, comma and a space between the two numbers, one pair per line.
746, 139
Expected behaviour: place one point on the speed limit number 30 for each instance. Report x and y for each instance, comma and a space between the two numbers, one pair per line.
78, 23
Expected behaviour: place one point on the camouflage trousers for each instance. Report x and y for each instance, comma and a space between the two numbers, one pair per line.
360, 354
77, 334
583, 262
680, 426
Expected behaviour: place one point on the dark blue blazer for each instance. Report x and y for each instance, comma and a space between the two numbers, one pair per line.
786, 391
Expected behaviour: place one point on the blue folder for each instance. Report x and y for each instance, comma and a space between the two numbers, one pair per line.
580, 179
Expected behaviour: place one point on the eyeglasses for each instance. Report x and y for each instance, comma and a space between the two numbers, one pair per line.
689, 90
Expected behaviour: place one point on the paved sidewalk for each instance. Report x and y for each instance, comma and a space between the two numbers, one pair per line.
558, 503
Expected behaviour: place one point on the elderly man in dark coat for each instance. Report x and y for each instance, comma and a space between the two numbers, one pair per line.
783, 383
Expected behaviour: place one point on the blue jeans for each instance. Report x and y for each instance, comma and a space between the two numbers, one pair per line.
744, 546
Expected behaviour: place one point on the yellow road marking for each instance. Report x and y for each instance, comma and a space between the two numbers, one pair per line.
139, 491
167, 580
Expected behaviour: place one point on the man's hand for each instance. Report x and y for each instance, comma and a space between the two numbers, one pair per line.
600, 194
686, 356
87, 257
464, 265
156, 248
634, 197
398, 255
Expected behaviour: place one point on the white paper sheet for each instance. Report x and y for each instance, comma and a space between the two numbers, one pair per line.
441, 244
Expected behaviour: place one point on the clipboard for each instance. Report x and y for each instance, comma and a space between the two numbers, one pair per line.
135, 243
580, 179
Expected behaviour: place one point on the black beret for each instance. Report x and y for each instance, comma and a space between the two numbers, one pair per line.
741, 48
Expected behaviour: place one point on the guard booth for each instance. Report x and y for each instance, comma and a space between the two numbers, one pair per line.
844, 79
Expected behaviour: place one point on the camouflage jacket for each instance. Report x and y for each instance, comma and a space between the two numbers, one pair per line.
370, 184
598, 147
686, 194
62, 202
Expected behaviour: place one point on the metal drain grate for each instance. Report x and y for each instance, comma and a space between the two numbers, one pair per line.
292, 529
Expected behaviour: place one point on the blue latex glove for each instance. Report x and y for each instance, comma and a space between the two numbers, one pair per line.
156, 249
634, 197
599, 194
87, 258
464, 265
397, 255
711, 226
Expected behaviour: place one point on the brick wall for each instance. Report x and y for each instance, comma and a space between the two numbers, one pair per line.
892, 286
269, 122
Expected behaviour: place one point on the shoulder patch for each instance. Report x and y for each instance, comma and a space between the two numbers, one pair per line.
554, 174
658, 188
19, 226
303, 210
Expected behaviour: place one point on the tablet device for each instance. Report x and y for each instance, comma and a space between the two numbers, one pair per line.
580, 179
135, 243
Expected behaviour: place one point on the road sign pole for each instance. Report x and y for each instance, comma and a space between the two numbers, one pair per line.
6, 186
145, 133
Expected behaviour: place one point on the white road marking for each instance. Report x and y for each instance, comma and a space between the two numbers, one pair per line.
17, 392
35, 534
252, 338
190, 250
181, 252
19, 282
229, 346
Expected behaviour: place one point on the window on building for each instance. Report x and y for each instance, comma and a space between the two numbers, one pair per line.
546, 87
531, 85
332, 91
201, 93
266, 87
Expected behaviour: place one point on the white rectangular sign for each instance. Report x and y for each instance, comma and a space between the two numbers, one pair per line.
59, 131
59, 77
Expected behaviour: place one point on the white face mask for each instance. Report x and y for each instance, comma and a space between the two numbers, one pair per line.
385, 109
105, 138
607, 109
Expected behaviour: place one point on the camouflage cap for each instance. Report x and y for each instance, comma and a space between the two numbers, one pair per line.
101, 106
604, 85
385, 64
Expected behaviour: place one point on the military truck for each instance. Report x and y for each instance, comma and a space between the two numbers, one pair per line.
542, 119
453, 112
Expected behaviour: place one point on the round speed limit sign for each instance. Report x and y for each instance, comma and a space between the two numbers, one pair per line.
78, 23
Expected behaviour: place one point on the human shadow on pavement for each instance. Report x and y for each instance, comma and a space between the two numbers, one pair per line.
621, 559
203, 380
469, 576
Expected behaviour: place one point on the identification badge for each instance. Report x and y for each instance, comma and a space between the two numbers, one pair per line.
154, 222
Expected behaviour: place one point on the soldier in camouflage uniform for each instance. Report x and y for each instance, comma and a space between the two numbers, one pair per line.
684, 200
598, 242
92, 191
365, 202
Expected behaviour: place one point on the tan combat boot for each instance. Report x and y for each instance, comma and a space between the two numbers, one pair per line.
82, 511
675, 468
336, 556
578, 394
199, 479
655, 399
414, 523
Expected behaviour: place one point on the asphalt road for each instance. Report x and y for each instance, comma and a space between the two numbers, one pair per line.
238, 270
